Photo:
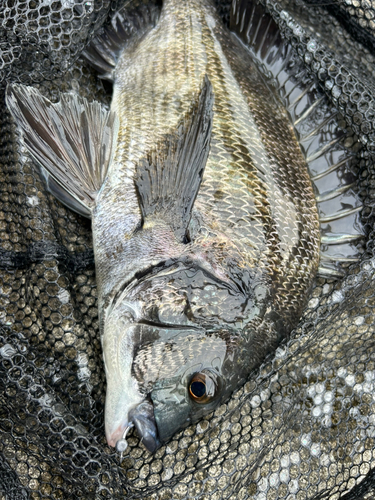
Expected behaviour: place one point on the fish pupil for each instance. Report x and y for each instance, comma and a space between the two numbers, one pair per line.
198, 389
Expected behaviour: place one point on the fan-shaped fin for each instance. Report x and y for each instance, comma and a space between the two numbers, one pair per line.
64, 196
168, 180
73, 140
315, 121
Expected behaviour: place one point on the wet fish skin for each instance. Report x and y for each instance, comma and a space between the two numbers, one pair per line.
225, 298
205, 226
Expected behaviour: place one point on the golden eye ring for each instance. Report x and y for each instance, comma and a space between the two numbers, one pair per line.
202, 388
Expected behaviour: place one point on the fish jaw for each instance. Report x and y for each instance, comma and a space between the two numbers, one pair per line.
122, 395
120, 401
144, 421
125, 406
119, 419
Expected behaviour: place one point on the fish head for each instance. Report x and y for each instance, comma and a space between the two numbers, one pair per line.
186, 368
178, 352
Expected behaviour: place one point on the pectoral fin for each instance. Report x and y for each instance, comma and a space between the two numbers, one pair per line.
73, 140
168, 179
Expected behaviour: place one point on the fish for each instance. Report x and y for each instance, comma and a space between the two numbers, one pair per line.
206, 227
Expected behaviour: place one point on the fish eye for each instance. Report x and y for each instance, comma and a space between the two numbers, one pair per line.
203, 387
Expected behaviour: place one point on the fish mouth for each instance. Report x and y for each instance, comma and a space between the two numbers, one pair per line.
144, 421
142, 418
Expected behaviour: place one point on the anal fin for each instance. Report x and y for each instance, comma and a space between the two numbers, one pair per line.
73, 140
168, 179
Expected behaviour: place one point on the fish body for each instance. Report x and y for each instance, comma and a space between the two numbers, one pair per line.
226, 297
205, 225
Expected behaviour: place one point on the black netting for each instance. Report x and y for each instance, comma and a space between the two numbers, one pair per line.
357, 17
303, 427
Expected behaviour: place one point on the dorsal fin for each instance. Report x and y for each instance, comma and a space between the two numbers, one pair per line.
73, 140
321, 140
168, 179
127, 26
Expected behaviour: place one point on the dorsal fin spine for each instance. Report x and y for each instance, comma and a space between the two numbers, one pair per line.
322, 145
332, 168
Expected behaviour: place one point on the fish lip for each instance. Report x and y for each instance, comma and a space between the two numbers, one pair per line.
122, 444
143, 419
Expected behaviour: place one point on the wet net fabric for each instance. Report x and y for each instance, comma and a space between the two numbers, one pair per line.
303, 427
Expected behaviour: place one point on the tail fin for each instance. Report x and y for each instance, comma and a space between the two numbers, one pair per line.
73, 140
127, 26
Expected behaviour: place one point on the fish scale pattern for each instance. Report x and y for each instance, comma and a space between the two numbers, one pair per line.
301, 428
264, 209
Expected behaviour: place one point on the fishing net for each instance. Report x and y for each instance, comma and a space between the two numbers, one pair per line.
303, 426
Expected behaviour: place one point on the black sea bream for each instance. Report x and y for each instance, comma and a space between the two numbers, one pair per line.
205, 224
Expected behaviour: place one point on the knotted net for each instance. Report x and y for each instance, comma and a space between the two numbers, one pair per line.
303, 427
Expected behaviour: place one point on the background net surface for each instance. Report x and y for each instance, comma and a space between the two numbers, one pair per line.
303, 427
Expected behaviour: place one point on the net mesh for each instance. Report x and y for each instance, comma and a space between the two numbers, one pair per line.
303, 427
